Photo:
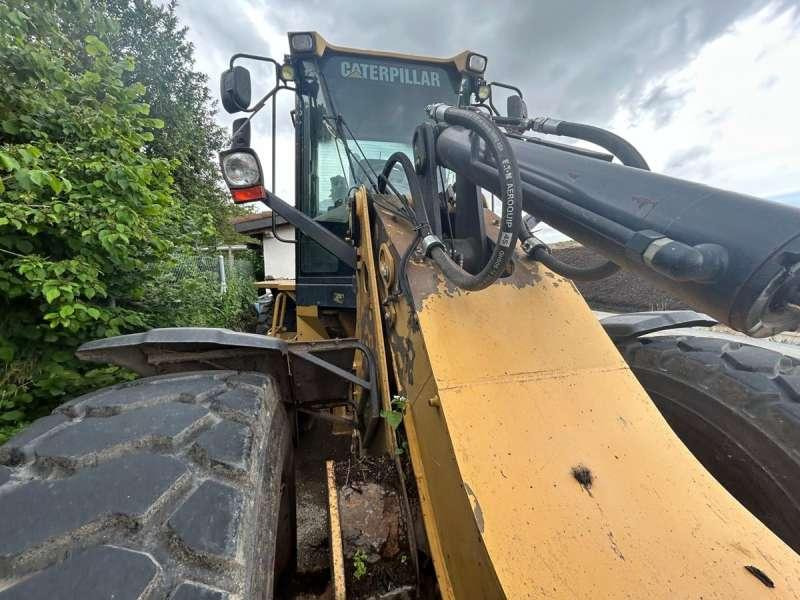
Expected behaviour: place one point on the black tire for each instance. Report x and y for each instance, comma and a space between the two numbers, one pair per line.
165, 487
737, 408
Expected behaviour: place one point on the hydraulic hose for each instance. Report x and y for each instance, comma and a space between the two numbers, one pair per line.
539, 251
619, 147
416, 197
510, 185
414, 187
569, 271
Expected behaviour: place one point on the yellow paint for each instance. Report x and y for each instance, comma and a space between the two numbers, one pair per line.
529, 386
309, 325
277, 328
368, 325
322, 46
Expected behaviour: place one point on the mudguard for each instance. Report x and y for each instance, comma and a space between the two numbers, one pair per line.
149, 352
631, 325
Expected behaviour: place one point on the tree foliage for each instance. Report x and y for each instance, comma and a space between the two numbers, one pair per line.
97, 189
178, 95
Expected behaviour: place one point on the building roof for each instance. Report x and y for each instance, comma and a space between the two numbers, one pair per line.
257, 223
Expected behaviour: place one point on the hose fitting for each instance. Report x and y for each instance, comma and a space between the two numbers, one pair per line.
545, 125
532, 244
429, 242
436, 111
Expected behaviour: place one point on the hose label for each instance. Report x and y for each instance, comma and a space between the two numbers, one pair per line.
510, 207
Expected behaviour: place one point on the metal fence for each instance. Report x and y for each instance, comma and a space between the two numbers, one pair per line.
217, 267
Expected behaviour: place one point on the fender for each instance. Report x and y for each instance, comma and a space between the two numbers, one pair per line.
631, 325
309, 374
181, 348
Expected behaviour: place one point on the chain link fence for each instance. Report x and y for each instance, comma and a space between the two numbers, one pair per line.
212, 267
205, 290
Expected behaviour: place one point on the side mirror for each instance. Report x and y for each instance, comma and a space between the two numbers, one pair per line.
234, 89
241, 133
516, 107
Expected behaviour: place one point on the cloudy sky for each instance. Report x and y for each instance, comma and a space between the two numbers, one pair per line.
708, 90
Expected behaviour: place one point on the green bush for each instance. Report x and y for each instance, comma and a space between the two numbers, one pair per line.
83, 210
186, 293
91, 215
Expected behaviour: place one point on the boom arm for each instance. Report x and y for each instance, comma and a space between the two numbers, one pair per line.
733, 256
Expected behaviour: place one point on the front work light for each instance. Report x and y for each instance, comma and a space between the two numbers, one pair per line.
287, 72
240, 169
242, 172
476, 63
301, 42
484, 91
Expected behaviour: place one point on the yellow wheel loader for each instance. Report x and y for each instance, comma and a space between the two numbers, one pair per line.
532, 450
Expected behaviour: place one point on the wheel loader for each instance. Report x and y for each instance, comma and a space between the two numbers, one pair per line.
541, 452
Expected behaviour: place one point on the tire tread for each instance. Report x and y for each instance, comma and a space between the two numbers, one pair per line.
158, 467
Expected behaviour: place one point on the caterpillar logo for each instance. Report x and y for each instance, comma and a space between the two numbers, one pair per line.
387, 74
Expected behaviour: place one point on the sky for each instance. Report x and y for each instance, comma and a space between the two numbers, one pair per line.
708, 90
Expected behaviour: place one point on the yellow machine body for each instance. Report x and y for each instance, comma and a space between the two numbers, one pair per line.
543, 468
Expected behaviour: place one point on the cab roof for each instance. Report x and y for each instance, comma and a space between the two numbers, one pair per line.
322, 48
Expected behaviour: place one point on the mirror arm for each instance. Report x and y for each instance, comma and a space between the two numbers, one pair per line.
491, 101
253, 111
255, 57
507, 86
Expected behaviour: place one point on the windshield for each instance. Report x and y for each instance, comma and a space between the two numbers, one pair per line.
384, 100
381, 101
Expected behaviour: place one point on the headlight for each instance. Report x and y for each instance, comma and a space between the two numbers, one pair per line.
484, 91
301, 42
476, 63
241, 169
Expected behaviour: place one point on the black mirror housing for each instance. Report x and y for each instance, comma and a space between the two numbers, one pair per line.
516, 107
234, 89
241, 133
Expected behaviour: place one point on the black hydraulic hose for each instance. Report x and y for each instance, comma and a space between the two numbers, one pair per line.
617, 145
573, 272
628, 156
416, 197
511, 200
414, 187
539, 251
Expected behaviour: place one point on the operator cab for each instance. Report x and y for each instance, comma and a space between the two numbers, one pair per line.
353, 110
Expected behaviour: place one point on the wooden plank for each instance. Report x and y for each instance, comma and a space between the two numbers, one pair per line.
283, 285
337, 550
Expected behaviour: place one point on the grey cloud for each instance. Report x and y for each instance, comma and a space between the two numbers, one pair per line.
574, 59
662, 103
687, 159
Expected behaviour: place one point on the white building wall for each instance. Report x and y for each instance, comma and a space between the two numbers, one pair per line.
279, 256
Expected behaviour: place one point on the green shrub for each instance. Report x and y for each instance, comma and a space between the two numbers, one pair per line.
98, 199
84, 211
186, 293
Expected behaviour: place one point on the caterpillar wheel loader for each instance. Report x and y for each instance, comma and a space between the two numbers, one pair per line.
548, 454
